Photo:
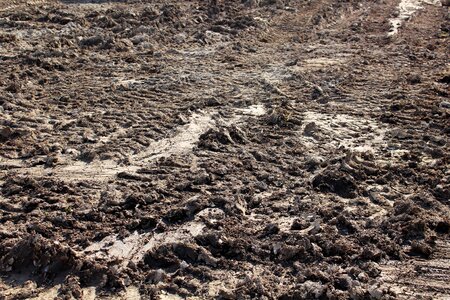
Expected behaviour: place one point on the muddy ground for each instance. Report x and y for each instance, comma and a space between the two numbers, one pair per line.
224, 149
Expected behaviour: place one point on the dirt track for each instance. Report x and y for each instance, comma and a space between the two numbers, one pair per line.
260, 149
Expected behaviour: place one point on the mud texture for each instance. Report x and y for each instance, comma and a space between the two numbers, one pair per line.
224, 149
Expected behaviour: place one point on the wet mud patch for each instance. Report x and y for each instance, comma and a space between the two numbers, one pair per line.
182, 142
231, 150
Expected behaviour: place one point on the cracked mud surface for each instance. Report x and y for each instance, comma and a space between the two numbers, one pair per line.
224, 150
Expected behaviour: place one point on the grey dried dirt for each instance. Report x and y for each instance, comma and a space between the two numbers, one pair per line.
224, 150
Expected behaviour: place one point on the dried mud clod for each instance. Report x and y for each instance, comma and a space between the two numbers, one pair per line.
282, 117
336, 182
48, 258
43, 260
216, 140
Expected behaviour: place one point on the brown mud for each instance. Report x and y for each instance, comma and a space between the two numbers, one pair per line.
224, 149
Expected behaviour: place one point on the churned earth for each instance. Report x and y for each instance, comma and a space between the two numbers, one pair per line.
224, 149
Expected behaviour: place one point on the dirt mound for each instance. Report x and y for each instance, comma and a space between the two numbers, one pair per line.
224, 149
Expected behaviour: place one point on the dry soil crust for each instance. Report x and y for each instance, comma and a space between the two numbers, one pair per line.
224, 149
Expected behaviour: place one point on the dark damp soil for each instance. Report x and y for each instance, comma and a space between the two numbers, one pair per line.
220, 149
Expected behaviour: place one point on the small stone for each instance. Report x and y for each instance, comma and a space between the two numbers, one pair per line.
139, 39
444, 104
288, 252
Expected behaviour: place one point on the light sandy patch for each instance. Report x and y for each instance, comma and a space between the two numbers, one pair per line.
360, 134
406, 9
182, 142
420, 278
319, 63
